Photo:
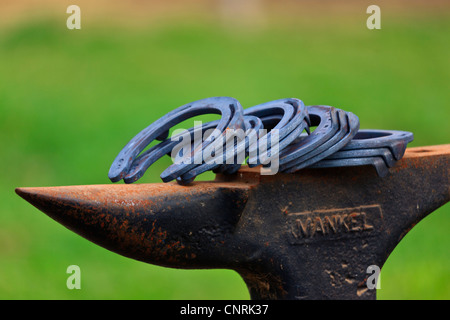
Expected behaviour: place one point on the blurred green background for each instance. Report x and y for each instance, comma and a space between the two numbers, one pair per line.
71, 99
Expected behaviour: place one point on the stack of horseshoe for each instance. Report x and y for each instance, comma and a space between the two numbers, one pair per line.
335, 142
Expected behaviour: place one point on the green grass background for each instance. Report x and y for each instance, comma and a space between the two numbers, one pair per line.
70, 100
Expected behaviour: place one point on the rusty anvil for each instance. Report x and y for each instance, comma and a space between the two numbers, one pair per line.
308, 235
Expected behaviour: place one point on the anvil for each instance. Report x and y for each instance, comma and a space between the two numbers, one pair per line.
308, 235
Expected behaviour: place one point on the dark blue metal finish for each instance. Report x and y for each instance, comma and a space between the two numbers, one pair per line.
289, 116
232, 117
393, 139
337, 141
289, 127
368, 147
146, 159
385, 153
236, 121
325, 118
377, 162
348, 127
253, 125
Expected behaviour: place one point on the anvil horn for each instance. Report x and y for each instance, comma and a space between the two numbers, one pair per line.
164, 224
308, 235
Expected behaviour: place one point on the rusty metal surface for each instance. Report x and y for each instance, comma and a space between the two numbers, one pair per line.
308, 235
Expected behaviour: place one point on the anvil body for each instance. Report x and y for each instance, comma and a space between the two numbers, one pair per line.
308, 235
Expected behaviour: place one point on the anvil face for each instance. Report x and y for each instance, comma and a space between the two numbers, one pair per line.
308, 235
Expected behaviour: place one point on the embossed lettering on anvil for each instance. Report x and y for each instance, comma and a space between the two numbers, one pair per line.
335, 223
